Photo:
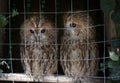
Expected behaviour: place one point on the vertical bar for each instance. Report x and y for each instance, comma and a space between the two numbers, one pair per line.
25, 16
10, 41
71, 6
87, 60
104, 61
24, 1
41, 13
56, 44
40, 7
71, 12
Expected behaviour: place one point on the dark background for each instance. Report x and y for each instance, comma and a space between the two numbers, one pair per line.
53, 11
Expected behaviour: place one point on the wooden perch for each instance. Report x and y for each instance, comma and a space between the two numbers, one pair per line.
25, 78
48, 79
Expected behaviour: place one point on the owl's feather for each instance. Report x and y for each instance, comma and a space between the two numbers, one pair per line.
79, 51
38, 47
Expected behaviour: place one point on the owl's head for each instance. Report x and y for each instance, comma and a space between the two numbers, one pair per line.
77, 24
38, 28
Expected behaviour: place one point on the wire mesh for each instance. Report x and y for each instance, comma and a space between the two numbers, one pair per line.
54, 10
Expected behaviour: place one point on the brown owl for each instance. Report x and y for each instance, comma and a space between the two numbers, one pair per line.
79, 51
38, 47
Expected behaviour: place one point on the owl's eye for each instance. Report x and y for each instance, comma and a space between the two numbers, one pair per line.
32, 31
72, 25
43, 31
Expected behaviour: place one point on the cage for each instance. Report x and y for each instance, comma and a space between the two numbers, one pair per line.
15, 19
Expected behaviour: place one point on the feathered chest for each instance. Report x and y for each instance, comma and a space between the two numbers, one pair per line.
74, 43
39, 49
74, 48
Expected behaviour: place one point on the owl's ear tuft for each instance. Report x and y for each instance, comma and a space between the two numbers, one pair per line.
66, 15
32, 19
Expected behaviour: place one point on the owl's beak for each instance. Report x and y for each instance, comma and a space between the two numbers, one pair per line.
37, 31
41, 36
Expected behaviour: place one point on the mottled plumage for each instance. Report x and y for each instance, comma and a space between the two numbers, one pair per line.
78, 51
38, 47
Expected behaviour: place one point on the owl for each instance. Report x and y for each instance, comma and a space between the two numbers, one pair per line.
78, 51
38, 47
